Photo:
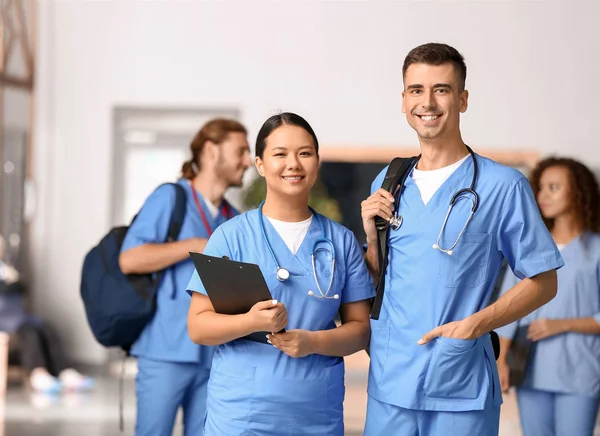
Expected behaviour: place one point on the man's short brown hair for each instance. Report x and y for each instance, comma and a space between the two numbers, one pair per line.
437, 54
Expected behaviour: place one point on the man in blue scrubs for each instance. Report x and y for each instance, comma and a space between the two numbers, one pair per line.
173, 371
433, 370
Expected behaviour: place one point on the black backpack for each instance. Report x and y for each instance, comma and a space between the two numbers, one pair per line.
119, 306
395, 177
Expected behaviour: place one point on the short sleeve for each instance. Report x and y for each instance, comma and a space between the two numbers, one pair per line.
359, 284
151, 225
509, 280
217, 247
523, 237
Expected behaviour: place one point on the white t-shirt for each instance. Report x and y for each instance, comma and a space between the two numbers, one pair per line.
429, 182
292, 233
214, 210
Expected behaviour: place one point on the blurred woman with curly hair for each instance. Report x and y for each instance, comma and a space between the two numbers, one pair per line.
560, 392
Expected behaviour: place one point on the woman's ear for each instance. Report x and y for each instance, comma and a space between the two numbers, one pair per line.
258, 163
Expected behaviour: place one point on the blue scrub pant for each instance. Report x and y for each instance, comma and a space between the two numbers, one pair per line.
162, 387
385, 420
546, 413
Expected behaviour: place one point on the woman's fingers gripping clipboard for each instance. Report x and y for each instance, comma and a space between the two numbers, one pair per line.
233, 287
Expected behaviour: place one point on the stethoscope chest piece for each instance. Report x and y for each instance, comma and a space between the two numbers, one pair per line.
282, 274
396, 222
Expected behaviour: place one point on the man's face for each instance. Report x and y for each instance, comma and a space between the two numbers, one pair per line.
233, 159
432, 100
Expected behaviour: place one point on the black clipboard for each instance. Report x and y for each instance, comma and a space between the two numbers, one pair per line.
233, 287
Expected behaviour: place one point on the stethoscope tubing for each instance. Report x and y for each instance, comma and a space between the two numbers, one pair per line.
282, 274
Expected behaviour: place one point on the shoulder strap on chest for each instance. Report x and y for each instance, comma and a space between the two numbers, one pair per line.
395, 177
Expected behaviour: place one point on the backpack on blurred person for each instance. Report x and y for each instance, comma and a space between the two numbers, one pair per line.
119, 306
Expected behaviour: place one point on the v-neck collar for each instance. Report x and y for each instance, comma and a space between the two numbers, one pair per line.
213, 221
299, 263
459, 179
577, 241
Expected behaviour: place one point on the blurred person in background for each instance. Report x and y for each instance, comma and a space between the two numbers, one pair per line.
38, 347
294, 383
560, 393
172, 370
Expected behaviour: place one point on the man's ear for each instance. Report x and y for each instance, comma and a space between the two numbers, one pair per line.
211, 150
464, 101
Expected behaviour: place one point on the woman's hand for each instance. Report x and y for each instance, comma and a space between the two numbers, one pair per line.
544, 328
268, 316
504, 374
294, 343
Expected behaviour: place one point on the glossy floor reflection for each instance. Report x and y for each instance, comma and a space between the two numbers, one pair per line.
97, 413
92, 414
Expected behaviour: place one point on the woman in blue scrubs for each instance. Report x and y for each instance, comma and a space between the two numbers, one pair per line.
561, 391
173, 371
293, 385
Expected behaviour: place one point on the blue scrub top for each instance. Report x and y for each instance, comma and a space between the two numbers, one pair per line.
570, 362
426, 288
165, 337
247, 376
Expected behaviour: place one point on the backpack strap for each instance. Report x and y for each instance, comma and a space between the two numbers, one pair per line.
176, 221
396, 175
178, 213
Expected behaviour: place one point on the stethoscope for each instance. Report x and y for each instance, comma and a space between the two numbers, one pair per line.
283, 274
396, 220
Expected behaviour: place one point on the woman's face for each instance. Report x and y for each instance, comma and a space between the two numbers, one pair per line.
554, 197
290, 162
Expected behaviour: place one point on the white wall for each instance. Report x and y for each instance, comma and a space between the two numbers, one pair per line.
532, 74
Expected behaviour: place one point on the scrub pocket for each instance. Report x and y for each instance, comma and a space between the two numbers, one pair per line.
467, 267
231, 391
171, 320
378, 349
456, 370
323, 414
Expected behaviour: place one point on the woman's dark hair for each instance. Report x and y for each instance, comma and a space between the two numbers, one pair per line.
276, 121
584, 190
215, 131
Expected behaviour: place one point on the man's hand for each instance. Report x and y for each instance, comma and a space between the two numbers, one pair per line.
465, 329
294, 343
378, 204
544, 328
